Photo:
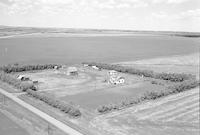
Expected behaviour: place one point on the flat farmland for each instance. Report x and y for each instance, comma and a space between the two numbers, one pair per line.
90, 88
175, 114
93, 99
8, 127
176, 64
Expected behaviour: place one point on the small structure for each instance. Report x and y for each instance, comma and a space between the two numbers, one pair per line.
72, 71
116, 80
112, 73
56, 67
85, 65
23, 78
95, 67
35, 82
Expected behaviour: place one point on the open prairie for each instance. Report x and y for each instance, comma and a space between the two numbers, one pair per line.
9, 127
176, 64
73, 50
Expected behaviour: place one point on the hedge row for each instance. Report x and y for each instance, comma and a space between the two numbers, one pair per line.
30, 88
69, 109
20, 68
177, 88
174, 77
8, 78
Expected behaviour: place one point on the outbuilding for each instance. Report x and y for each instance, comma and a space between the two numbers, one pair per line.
95, 67
72, 71
112, 73
85, 65
23, 78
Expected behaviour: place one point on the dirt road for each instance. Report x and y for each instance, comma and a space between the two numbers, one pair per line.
68, 130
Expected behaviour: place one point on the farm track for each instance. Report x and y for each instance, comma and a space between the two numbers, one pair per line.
175, 114
60, 125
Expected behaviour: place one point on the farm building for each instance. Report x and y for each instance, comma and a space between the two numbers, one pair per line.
72, 71
85, 65
112, 73
56, 67
95, 67
116, 80
23, 78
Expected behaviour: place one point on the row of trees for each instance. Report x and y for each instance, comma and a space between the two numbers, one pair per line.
176, 88
64, 107
174, 77
21, 68
22, 85
30, 88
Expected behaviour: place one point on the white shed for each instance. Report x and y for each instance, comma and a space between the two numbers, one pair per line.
23, 78
85, 65
95, 67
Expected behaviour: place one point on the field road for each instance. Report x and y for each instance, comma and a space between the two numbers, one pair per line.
66, 129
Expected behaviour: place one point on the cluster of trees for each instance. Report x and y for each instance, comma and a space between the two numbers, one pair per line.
30, 88
64, 107
21, 68
157, 82
174, 77
8, 78
176, 88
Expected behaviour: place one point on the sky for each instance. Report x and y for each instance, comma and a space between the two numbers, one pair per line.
157, 15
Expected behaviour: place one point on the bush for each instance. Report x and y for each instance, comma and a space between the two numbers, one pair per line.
21, 68
179, 87
29, 87
64, 107
8, 78
174, 77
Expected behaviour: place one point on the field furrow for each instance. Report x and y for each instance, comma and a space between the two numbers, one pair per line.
175, 114
167, 109
194, 116
170, 100
179, 113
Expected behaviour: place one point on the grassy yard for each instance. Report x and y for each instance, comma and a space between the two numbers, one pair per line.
90, 88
